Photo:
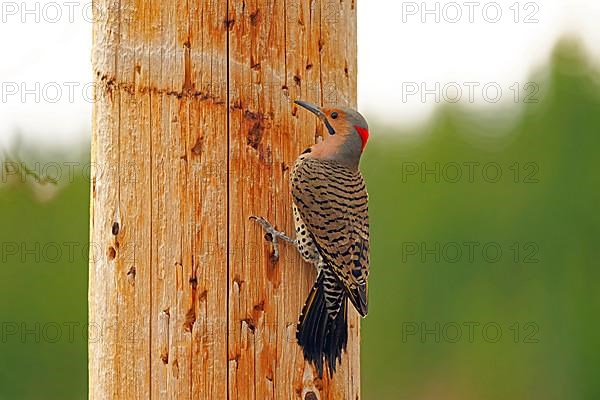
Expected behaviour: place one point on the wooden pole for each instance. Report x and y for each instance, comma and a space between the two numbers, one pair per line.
194, 131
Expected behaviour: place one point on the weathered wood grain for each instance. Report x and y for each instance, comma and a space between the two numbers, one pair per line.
194, 131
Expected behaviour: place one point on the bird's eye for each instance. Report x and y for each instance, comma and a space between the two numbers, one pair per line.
334, 115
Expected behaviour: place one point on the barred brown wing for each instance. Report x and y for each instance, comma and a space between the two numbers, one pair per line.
333, 203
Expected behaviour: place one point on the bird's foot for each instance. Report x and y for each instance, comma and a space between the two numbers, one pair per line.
272, 234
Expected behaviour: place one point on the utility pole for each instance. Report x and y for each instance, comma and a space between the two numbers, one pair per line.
194, 131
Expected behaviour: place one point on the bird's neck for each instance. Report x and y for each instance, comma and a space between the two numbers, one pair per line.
345, 149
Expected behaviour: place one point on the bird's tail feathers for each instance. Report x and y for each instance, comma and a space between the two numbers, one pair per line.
322, 337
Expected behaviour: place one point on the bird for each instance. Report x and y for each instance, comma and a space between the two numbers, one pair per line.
331, 218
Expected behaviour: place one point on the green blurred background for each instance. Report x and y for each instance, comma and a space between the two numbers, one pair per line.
515, 318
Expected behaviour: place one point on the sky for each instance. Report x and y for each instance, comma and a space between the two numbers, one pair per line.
412, 57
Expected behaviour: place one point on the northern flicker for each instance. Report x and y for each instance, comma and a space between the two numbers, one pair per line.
332, 232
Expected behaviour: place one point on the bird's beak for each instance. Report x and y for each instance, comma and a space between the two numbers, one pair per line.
318, 112
311, 107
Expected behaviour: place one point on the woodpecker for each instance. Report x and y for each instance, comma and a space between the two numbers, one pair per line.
330, 208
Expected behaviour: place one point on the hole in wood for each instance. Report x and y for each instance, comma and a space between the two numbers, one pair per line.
115, 228
310, 396
112, 253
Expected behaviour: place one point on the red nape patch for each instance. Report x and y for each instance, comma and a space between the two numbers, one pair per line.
364, 135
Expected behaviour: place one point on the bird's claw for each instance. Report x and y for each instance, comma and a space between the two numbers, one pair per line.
271, 235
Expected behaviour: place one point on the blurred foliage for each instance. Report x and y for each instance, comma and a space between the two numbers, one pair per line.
541, 291
551, 205
43, 291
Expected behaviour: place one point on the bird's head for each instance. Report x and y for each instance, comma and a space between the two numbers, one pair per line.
348, 133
